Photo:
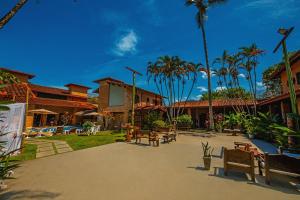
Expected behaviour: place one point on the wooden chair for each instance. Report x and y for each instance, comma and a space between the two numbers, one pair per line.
244, 146
169, 137
154, 138
139, 134
281, 164
239, 160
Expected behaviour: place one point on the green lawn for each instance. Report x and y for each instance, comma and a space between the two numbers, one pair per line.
28, 153
83, 142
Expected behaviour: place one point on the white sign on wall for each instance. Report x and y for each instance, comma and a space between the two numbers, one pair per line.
12, 123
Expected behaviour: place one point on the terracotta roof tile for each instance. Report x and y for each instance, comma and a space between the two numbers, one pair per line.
215, 103
62, 103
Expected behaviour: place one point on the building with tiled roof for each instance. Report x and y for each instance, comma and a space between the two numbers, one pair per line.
281, 104
115, 96
60, 101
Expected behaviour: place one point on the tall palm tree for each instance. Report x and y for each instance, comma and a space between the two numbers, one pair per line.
250, 56
202, 6
8, 16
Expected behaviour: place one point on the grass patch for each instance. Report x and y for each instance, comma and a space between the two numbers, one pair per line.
82, 142
28, 153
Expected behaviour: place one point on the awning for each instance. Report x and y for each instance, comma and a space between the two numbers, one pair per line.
43, 112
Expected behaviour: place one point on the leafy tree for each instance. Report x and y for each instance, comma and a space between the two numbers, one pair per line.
228, 93
229, 67
202, 7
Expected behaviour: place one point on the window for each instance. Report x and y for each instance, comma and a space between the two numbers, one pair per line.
148, 100
137, 99
116, 95
155, 102
298, 78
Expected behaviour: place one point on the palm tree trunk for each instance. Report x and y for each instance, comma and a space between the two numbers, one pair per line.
4, 20
210, 109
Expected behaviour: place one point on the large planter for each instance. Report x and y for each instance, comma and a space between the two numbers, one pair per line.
167, 129
207, 162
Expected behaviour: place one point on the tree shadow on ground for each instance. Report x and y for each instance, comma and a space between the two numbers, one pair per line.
28, 194
281, 184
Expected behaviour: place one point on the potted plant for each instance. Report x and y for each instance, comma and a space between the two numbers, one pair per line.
207, 152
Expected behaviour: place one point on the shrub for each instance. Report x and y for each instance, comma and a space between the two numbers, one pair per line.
150, 118
159, 124
87, 125
231, 120
184, 120
219, 122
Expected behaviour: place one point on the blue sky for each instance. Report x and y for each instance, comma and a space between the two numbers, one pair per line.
64, 42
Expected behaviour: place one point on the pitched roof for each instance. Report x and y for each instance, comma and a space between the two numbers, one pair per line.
215, 103
278, 98
30, 76
51, 90
77, 85
121, 83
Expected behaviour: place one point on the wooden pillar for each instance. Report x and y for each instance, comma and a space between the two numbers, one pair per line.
197, 117
189, 111
282, 112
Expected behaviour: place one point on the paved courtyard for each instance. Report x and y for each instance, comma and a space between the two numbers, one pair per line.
128, 171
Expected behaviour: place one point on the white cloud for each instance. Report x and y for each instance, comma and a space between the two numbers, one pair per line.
274, 8
126, 44
220, 88
242, 75
260, 86
202, 88
198, 97
204, 74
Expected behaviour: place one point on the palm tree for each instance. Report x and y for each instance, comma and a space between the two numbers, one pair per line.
202, 6
6, 18
250, 56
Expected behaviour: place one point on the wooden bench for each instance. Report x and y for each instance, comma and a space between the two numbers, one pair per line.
169, 137
239, 160
280, 164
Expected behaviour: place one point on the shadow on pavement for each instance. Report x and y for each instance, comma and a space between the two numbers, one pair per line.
28, 194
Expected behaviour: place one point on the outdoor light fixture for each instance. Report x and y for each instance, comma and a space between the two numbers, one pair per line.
283, 31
